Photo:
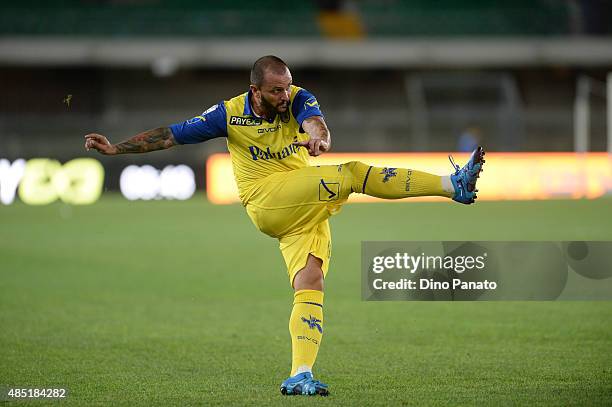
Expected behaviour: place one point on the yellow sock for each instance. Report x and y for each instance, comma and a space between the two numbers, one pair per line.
395, 183
306, 329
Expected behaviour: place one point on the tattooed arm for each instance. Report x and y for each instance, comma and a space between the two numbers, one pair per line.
150, 140
320, 138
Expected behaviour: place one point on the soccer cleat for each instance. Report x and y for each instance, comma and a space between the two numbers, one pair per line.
464, 179
303, 384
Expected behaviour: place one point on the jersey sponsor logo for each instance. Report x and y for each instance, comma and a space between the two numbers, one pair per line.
269, 129
313, 323
259, 154
245, 121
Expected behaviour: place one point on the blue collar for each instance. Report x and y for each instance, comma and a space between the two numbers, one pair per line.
248, 111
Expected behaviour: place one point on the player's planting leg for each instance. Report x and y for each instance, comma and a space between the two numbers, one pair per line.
306, 330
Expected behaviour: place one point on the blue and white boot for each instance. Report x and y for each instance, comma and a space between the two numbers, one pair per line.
303, 384
464, 179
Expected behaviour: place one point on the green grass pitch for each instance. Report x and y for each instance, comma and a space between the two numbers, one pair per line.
185, 303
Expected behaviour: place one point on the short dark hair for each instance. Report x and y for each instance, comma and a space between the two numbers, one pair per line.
268, 62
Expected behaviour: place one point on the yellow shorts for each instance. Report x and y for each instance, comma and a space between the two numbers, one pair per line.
295, 206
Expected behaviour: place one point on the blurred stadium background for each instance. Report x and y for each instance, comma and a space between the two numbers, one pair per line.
89, 299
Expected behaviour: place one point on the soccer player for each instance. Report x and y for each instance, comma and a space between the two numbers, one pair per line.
271, 130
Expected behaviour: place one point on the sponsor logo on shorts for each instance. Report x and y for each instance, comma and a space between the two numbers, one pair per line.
245, 121
388, 173
328, 191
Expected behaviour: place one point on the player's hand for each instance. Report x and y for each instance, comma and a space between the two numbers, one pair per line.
100, 143
315, 146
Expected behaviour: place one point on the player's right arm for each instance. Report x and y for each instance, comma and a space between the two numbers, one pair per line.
150, 140
208, 125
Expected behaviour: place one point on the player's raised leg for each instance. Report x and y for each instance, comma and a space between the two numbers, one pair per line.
396, 183
292, 202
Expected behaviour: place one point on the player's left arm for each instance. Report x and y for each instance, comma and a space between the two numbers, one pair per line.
307, 112
320, 137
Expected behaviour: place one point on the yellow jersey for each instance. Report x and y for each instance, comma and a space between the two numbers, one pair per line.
258, 147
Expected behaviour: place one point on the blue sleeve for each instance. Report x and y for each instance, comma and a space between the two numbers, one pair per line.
210, 124
304, 105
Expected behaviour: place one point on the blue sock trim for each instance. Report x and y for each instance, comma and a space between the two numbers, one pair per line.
311, 303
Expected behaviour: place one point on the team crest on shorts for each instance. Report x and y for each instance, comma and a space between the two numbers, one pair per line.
388, 172
328, 191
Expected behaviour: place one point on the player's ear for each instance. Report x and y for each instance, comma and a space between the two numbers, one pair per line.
256, 92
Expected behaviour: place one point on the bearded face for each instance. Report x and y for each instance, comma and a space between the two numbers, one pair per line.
274, 106
274, 95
